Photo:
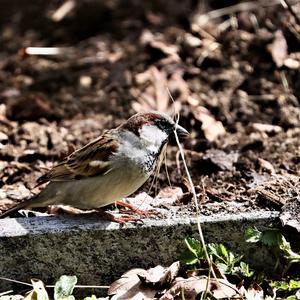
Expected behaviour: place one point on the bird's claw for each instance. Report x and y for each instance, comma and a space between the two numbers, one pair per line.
145, 213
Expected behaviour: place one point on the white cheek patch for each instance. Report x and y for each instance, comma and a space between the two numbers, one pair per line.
153, 136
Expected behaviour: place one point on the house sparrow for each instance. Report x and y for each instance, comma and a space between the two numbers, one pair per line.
109, 168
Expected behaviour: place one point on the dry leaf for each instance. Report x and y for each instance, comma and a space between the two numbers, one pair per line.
179, 87
159, 275
254, 293
266, 165
142, 201
38, 293
292, 63
279, 49
221, 159
267, 128
168, 195
193, 286
129, 286
155, 96
211, 128
142, 284
156, 41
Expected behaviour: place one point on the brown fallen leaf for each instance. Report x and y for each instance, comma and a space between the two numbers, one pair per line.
221, 159
211, 128
129, 286
168, 195
154, 96
279, 49
141, 201
193, 286
291, 63
157, 42
266, 165
30, 107
254, 292
159, 275
267, 128
142, 284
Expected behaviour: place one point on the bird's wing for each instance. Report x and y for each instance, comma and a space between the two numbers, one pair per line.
90, 160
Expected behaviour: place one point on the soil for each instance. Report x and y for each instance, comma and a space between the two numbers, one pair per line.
234, 78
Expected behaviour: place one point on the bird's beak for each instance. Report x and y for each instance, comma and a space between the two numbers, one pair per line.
181, 132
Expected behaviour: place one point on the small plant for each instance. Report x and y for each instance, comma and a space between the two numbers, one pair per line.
226, 261
287, 290
273, 238
64, 287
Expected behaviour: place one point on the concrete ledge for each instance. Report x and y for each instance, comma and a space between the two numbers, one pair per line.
98, 251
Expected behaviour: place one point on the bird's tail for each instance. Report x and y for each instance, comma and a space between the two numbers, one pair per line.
19, 206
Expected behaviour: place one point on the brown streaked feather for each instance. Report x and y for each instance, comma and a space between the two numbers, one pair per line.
90, 160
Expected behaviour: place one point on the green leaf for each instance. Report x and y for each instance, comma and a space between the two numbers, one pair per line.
286, 286
223, 251
294, 284
216, 251
271, 237
188, 257
245, 270
195, 247
223, 268
286, 248
279, 285
64, 288
291, 298
252, 235
231, 259
193, 253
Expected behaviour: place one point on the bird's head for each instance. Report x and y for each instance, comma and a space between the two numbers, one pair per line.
154, 127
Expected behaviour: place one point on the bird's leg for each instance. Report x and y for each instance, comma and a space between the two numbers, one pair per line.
110, 217
55, 209
135, 210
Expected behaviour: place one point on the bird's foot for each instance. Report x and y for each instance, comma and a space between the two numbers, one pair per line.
55, 209
134, 210
121, 220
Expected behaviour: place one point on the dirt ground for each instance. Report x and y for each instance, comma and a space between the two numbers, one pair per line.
234, 75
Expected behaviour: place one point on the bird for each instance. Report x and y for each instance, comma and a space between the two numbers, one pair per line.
109, 168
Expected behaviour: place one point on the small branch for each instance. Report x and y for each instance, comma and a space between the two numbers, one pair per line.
63, 10
196, 204
47, 51
243, 6
289, 6
15, 281
85, 286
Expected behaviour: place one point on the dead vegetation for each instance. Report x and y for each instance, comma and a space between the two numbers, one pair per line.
233, 71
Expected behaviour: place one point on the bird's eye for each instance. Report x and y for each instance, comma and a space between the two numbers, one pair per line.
165, 125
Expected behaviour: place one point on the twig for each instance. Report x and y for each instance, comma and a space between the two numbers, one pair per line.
287, 4
85, 286
243, 6
15, 281
63, 10
52, 286
166, 168
196, 204
5, 293
47, 50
